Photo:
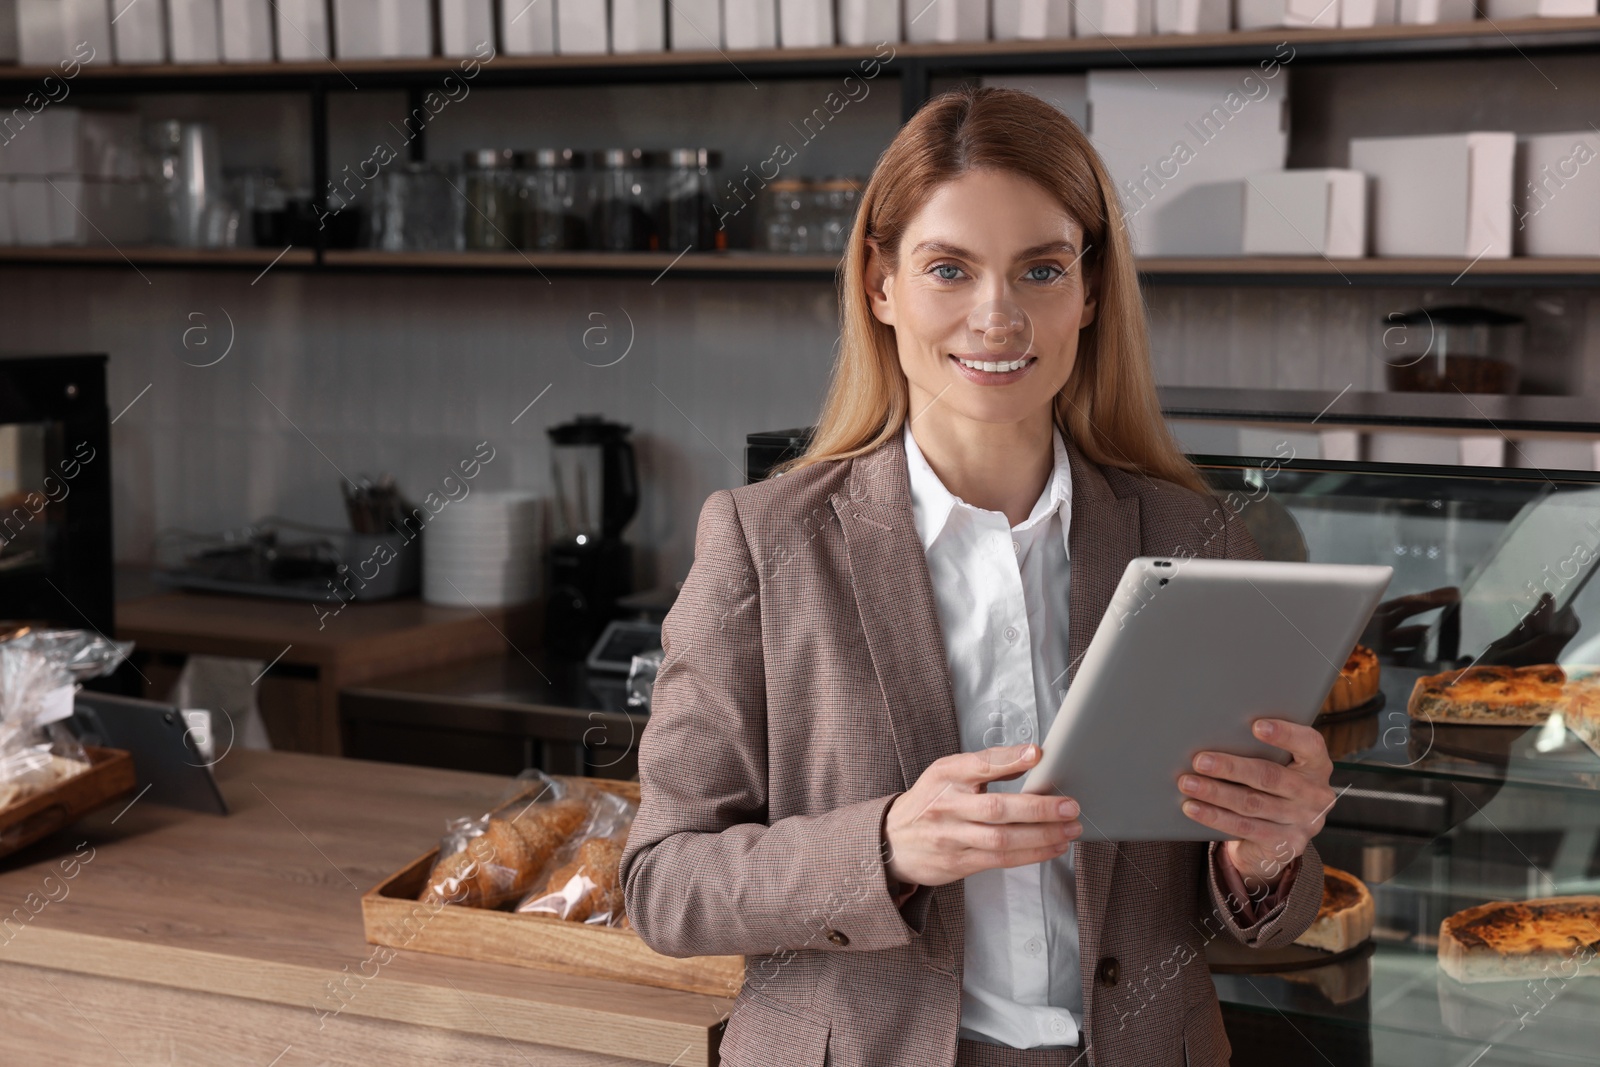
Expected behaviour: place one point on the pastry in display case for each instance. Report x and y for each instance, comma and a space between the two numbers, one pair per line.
1499, 696
1345, 918
1356, 686
1513, 940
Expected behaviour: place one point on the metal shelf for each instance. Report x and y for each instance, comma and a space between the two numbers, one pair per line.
1351, 409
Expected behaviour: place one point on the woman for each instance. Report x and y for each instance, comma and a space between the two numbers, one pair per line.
868, 647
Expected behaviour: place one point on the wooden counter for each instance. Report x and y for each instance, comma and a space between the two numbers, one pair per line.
194, 939
313, 650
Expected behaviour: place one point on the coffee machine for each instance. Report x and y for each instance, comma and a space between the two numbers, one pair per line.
595, 494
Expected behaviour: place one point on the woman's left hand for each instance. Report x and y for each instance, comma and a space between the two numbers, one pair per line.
1273, 810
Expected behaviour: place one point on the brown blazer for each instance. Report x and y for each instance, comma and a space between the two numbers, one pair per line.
804, 686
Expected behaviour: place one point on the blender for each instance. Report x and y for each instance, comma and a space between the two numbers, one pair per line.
596, 492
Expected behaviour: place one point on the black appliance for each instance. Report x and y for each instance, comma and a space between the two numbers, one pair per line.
768, 448
595, 494
55, 492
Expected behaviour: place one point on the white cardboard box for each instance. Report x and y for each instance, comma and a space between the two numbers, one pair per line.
1068, 92
581, 27
1114, 18
464, 25
1193, 16
808, 23
946, 20
1439, 195
1169, 137
1558, 194
139, 30
246, 31
1428, 12
96, 211
750, 23
1357, 13
49, 31
72, 141
1264, 14
8, 33
527, 27
638, 26
1525, 9
302, 29
694, 25
1306, 213
383, 29
193, 30
869, 21
31, 211
1035, 20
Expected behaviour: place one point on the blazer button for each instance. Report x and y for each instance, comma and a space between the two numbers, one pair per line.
1107, 970
838, 938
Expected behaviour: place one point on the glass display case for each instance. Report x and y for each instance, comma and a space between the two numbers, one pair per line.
1491, 567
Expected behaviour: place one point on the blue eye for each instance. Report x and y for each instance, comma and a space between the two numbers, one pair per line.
944, 267
1034, 277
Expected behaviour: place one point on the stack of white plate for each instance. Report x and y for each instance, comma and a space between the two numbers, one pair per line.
483, 550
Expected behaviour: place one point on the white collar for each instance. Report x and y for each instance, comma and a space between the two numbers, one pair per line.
932, 503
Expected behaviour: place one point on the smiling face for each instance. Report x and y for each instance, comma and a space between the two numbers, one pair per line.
986, 300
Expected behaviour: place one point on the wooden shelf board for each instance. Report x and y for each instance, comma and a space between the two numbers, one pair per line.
1509, 35
702, 262
158, 256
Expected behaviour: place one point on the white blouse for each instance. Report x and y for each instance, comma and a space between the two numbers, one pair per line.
1001, 596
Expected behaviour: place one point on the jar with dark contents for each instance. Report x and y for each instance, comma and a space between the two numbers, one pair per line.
552, 200
625, 209
688, 220
1455, 347
491, 191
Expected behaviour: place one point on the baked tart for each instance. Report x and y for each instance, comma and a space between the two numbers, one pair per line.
1515, 940
1357, 682
1346, 916
1490, 695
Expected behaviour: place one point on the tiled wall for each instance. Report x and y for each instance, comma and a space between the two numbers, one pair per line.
407, 372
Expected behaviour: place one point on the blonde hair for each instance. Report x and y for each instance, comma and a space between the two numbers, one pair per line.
1108, 406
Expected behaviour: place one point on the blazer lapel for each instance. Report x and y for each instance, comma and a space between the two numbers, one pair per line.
894, 594
1103, 537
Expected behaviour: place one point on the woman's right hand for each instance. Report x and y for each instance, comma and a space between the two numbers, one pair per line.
948, 826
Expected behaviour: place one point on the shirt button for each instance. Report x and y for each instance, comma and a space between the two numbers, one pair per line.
1016, 546
1034, 946
1011, 633
1025, 732
1058, 1026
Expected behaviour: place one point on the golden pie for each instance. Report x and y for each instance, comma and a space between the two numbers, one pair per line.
1498, 696
1513, 940
1357, 682
1345, 918
1580, 708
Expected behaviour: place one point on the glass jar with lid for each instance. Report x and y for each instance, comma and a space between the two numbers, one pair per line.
835, 199
416, 208
491, 191
625, 200
687, 217
786, 215
552, 200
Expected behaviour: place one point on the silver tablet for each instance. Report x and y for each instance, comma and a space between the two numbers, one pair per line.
1188, 655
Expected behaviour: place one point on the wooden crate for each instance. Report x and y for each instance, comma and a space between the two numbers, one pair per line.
110, 775
392, 916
